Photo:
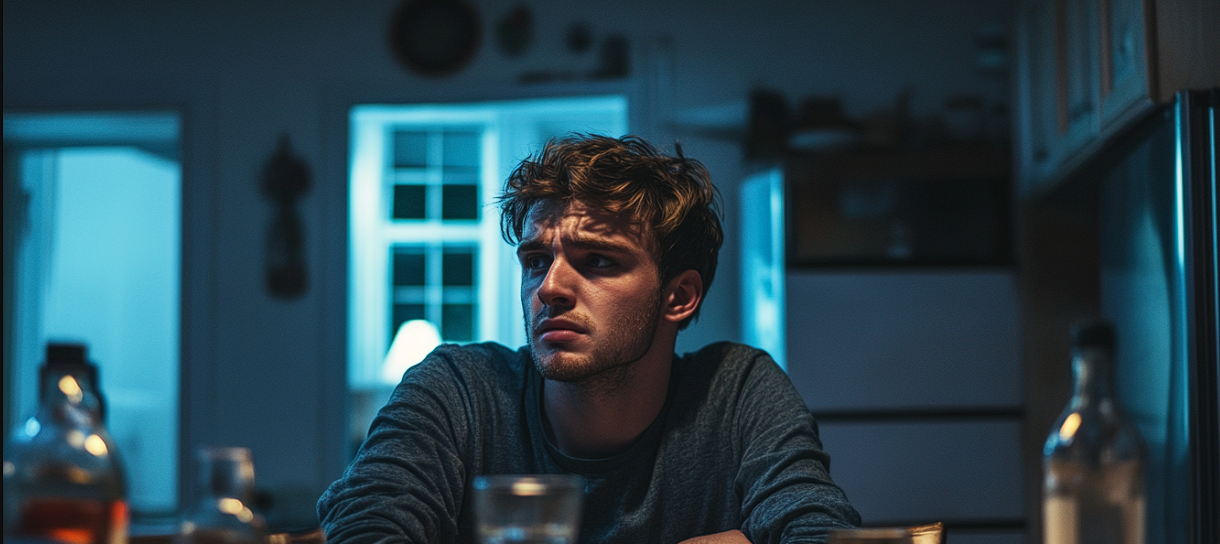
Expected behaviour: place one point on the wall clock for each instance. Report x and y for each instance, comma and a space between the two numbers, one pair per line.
435, 37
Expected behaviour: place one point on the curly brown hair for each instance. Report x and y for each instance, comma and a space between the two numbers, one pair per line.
673, 196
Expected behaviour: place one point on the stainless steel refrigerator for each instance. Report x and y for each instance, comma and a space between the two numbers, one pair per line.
1156, 198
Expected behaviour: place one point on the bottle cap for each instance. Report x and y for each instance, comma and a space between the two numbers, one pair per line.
71, 358
1093, 334
66, 354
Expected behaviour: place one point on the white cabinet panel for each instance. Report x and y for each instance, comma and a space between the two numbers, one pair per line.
928, 471
892, 340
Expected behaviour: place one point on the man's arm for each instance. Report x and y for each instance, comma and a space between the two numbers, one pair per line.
787, 492
407, 481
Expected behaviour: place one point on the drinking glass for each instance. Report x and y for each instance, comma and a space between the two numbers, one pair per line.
222, 511
528, 509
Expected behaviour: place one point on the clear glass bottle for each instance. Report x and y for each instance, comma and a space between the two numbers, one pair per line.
1093, 461
222, 512
63, 480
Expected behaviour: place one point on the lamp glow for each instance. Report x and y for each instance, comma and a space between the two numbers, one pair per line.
414, 340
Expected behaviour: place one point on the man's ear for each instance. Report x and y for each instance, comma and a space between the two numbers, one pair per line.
682, 296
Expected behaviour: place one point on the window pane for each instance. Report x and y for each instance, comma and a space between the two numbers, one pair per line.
459, 176
460, 202
410, 149
408, 266
403, 313
457, 322
458, 268
410, 201
460, 149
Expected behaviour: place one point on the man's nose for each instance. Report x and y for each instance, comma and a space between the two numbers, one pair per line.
556, 287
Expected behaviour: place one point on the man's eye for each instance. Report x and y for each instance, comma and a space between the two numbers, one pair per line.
535, 262
597, 261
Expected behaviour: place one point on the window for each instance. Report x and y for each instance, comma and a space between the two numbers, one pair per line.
434, 187
428, 264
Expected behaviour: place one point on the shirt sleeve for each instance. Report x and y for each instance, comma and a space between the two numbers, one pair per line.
407, 482
787, 493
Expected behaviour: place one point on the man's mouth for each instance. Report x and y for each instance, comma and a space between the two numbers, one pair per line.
558, 330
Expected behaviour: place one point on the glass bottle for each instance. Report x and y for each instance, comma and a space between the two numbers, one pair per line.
222, 511
1093, 461
63, 481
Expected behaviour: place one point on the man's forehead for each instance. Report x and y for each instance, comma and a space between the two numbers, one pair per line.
549, 214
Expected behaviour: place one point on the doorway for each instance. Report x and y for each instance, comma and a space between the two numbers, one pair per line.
93, 235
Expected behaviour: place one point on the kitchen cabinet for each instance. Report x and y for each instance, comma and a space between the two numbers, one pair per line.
870, 207
1089, 69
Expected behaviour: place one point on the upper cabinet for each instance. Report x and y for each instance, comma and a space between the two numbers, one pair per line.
1087, 69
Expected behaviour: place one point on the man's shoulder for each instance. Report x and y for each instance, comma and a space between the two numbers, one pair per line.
729, 362
486, 359
476, 353
728, 354
726, 383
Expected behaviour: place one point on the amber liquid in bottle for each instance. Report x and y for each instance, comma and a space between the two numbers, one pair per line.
74, 521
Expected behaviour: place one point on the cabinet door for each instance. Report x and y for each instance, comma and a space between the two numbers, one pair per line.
1123, 78
1078, 31
1038, 90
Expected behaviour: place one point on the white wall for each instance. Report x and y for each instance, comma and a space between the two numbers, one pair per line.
268, 373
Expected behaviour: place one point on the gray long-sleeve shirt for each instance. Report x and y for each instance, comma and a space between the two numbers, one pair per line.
734, 447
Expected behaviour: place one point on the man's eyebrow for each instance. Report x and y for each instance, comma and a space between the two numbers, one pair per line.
530, 245
601, 244
581, 242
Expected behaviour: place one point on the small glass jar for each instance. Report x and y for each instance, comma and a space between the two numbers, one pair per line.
222, 513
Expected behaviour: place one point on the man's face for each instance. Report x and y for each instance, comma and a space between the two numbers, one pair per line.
590, 292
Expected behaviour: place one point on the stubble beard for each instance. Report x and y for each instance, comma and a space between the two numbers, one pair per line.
610, 365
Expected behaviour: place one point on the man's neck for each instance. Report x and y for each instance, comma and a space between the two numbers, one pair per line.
599, 421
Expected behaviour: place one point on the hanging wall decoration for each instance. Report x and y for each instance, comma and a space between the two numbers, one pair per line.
285, 180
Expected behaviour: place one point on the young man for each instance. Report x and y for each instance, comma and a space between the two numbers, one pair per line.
617, 245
